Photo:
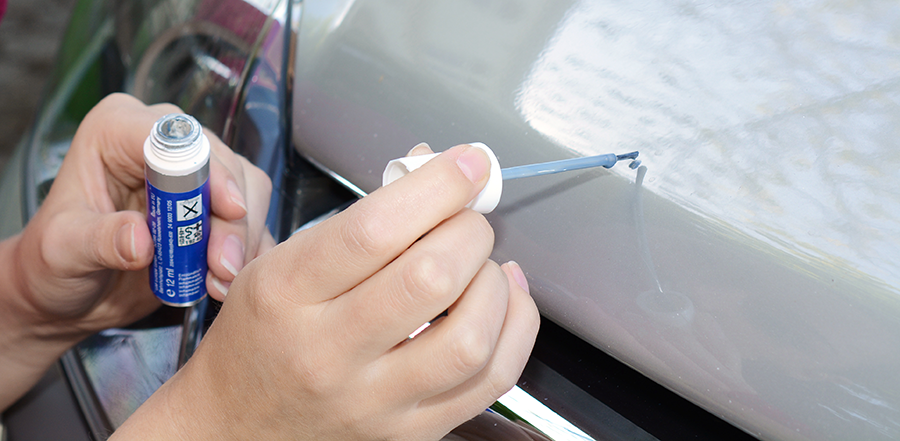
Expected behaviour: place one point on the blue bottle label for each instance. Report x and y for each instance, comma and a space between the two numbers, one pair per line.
179, 224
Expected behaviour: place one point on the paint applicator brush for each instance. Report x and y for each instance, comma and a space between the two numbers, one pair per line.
489, 197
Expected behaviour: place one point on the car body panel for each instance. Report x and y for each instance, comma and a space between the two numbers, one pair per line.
751, 265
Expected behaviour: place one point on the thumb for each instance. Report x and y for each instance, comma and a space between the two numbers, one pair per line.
97, 241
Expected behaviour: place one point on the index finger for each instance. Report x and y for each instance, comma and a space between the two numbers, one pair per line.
342, 252
119, 125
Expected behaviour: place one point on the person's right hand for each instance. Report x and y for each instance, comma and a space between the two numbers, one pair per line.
311, 342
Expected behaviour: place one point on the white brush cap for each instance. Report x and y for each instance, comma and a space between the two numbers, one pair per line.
485, 202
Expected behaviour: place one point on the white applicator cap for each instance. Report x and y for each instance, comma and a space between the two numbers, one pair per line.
485, 202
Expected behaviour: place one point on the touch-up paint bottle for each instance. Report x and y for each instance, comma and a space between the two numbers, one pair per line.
176, 166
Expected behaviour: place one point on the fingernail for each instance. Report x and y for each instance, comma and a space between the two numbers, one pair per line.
232, 257
474, 163
420, 149
220, 285
235, 194
125, 242
519, 276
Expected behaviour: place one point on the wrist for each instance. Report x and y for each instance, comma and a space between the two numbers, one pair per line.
184, 408
28, 344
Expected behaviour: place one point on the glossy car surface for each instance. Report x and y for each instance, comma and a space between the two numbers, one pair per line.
750, 265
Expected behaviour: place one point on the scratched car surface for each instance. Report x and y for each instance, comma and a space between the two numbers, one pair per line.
751, 265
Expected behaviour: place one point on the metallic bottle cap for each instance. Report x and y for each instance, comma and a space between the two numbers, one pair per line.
176, 135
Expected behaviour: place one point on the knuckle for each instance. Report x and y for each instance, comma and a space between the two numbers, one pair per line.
424, 277
366, 234
470, 349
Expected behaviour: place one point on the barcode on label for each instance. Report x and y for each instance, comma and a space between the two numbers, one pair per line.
190, 234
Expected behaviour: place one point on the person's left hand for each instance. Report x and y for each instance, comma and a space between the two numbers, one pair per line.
82, 260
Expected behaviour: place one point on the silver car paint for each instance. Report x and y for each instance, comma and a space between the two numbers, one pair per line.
752, 266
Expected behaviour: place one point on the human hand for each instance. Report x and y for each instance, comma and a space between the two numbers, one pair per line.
312, 342
82, 259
